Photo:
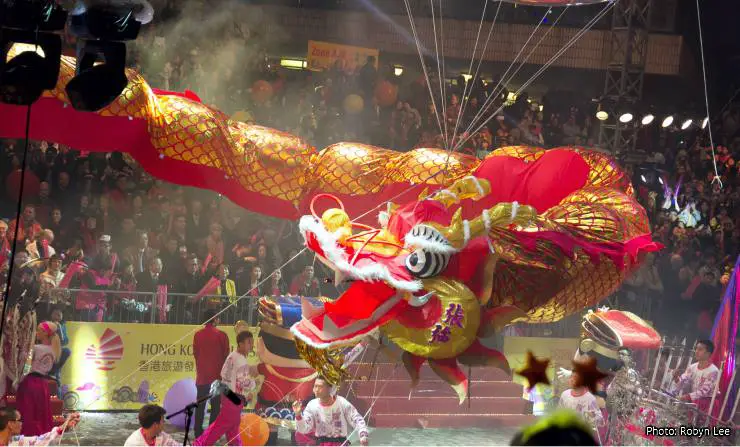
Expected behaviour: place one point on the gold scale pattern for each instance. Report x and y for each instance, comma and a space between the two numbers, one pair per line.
266, 161
549, 284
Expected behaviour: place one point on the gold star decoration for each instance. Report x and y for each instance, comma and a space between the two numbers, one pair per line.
588, 374
535, 371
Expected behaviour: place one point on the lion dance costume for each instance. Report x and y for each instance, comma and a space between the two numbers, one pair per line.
524, 235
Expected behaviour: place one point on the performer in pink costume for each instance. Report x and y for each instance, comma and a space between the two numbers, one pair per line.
240, 387
32, 399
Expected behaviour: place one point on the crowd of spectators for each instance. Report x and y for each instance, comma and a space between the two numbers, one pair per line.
135, 234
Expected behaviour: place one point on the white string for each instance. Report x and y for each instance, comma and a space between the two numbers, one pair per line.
151, 359
464, 99
559, 53
444, 72
492, 97
423, 65
443, 100
377, 396
477, 69
495, 94
286, 396
706, 96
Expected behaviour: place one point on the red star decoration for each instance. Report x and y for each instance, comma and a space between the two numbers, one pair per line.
535, 371
588, 374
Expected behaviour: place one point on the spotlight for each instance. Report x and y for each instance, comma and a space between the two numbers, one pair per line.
667, 121
27, 28
602, 115
704, 123
625, 118
101, 27
685, 125
98, 84
647, 119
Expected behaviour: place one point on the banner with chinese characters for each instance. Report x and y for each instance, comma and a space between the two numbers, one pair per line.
122, 366
560, 351
323, 56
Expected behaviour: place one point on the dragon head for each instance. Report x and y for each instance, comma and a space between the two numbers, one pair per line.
419, 277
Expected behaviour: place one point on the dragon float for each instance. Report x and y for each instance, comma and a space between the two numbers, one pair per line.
525, 235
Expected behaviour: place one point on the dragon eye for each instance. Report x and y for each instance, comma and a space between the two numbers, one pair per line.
424, 264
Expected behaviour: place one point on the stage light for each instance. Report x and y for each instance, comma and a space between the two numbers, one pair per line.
98, 84
466, 76
602, 115
667, 121
647, 119
686, 124
704, 123
398, 70
293, 64
27, 28
642, 177
625, 118
101, 28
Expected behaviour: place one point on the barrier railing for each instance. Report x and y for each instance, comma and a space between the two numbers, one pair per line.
149, 307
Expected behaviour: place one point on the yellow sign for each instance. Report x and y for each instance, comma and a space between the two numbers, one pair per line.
560, 351
323, 55
122, 366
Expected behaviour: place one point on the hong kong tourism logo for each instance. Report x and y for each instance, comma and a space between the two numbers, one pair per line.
108, 351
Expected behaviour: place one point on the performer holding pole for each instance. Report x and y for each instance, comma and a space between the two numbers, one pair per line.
240, 387
330, 418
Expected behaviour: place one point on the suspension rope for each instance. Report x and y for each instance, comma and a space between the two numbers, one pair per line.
559, 53
444, 74
516, 58
496, 93
466, 94
706, 97
423, 64
443, 100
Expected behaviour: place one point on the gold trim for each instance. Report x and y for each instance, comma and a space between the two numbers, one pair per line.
308, 378
278, 314
277, 331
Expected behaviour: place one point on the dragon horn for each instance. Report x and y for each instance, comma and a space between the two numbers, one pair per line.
469, 187
461, 231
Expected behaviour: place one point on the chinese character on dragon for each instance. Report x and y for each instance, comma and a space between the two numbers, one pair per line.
527, 234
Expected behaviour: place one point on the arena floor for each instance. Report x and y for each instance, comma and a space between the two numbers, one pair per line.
114, 428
